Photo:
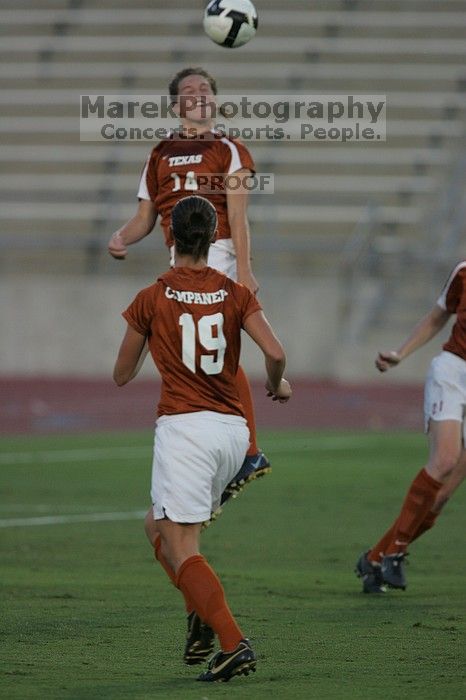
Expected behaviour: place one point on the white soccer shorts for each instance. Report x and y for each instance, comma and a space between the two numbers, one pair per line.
195, 456
221, 257
445, 390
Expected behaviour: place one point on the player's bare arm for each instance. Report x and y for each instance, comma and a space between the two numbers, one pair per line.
428, 327
237, 203
139, 226
259, 329
131, 356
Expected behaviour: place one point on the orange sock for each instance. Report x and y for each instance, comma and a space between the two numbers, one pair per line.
169, 571
245, 396
378, 551
199, 582
426, 524
417, 504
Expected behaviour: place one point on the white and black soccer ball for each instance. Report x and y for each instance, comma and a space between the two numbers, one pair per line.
230, 23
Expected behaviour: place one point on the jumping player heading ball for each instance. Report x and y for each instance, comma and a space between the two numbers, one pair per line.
170, 174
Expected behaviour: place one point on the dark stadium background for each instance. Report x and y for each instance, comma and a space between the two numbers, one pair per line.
359, 236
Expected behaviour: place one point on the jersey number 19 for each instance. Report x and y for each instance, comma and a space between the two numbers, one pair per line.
210, 364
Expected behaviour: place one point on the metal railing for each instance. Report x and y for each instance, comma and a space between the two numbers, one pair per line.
376, 266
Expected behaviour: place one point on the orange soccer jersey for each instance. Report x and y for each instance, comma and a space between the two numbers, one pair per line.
180, 166
453, 299
193, 320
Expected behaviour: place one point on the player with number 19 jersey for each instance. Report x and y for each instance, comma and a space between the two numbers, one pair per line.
174, 169
193, 319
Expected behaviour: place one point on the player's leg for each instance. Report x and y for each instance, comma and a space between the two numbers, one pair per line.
150, 527
189, 474
233, 438
440, 476
445, 449
444, 494
222, 258
179, 541
456, 478
445, 441
255, 463
444, 400
200, 637
154, 537
196, 579
245, 396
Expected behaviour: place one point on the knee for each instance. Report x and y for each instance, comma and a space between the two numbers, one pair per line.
150, 528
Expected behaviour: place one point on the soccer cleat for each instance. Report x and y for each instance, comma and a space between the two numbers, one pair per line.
224, 666
371, 574
253, 467
216, 514
199, 640
393, 570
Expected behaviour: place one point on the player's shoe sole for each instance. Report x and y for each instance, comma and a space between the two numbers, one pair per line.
200, 640
224, 666
371, 575
393, 571
253, 467
216, 514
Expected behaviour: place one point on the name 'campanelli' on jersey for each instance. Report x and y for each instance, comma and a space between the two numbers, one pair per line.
188, 297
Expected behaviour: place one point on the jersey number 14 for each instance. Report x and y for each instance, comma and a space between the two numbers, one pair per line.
190, 182
210, 364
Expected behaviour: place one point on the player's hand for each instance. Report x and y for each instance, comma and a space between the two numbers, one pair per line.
249, 281
282, 394
385, 360
116, 247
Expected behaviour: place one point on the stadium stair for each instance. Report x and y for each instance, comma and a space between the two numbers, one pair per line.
61, 198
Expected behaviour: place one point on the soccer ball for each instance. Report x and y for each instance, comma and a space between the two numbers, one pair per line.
230, 23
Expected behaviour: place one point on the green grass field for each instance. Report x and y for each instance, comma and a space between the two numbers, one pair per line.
86, 613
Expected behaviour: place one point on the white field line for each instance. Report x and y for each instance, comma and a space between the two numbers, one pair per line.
298, 443
320, 444
44, 508
95, 454
66, 519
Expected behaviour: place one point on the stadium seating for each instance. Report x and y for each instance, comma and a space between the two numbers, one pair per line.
61, 195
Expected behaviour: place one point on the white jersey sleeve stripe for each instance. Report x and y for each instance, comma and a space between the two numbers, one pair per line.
235, 163
143, 192
442, 300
